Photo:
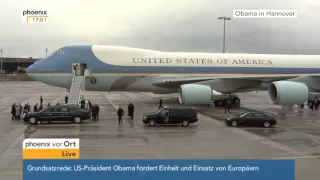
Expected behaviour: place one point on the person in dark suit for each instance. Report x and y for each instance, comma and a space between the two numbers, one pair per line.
35, 108
82, 103
160, 104
228, 104
131, 110
97, 109
120, 113
13, 111
66, 99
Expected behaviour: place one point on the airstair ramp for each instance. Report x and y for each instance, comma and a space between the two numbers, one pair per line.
76, 89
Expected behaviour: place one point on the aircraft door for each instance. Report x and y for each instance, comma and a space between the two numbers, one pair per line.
79, 68
76, 69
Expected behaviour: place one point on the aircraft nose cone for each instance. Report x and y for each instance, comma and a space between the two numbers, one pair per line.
30, 70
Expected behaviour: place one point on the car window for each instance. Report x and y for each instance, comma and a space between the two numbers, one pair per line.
244, 114
249, 115
57, 109
72, 109
174, 112
50, 109
64, 109
163, 112
259, 115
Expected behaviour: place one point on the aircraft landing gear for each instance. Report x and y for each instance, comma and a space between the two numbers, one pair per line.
222, 103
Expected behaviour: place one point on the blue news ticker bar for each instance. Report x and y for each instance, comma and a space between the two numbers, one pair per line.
158, 169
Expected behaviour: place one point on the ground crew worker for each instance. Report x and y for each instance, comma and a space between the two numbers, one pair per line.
82, 103
41, 100
120, 113
35, 108
160, 104
66, 99
13, 111
227, 107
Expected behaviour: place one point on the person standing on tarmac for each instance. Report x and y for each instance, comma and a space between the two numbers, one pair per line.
89, 104
40, 107
120, 113
93, 113
160, 104
82, 103
97, 109
18, 111
13, 111
131, 110
227, 107
35, 108
66, 99
41, 100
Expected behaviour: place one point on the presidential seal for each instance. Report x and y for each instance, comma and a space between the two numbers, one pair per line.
93, 80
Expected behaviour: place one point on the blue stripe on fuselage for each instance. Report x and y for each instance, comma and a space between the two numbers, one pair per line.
62, 63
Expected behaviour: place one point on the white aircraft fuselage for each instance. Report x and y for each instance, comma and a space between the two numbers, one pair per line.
139, 70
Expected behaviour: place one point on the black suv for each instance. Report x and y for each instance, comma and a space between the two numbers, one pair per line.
171, 115
70, 113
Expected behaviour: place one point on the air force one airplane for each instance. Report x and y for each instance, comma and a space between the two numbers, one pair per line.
199, 78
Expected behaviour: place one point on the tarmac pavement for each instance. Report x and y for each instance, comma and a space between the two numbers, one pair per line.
297, 135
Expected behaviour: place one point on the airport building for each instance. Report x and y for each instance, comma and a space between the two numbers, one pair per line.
11, 65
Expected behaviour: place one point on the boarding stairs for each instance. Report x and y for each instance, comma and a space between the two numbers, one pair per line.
77, 90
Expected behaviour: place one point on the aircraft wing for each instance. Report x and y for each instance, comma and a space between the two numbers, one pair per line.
172, 81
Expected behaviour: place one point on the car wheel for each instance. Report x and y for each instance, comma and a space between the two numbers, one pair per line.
152, 123
234, 123
32, 120
266, 124
185, 123
77, 120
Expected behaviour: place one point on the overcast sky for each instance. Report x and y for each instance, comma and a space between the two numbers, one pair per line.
166, 25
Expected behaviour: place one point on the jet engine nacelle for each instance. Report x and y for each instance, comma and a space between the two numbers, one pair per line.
195, 94
288, 92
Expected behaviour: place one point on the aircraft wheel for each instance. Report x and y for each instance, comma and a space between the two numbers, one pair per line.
218, 103
236, 101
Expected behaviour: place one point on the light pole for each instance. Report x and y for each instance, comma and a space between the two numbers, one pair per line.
224, 31
46, 50
1, 51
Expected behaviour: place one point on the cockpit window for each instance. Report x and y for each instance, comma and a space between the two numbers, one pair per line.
60, 51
